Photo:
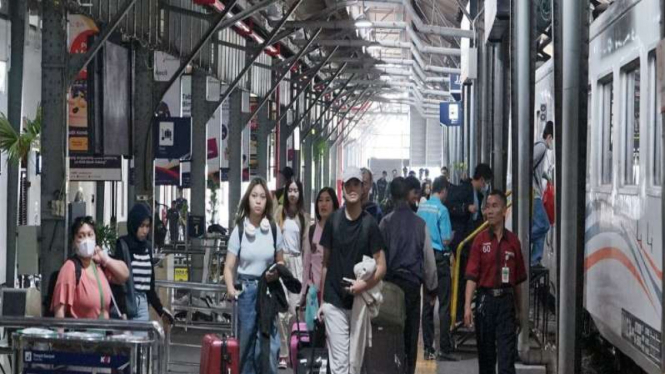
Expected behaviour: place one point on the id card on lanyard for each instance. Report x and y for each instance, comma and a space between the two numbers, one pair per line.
505, 271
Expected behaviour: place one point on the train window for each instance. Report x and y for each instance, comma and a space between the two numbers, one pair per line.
631, 133
655, 122
607, 90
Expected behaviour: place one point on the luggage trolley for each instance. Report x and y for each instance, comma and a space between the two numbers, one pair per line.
37, 348
223, 319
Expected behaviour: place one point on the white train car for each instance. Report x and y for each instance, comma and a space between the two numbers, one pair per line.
624, 249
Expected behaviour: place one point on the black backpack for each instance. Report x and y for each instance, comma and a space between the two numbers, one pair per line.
53, 279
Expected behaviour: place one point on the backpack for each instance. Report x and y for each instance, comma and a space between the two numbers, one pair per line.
53, 279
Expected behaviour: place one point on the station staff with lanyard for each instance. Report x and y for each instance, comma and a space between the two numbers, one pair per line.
495, 268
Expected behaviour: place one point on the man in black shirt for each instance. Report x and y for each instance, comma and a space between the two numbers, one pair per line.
173, 218
382, 186
349, 234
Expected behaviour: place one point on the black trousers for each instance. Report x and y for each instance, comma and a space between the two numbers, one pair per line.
412, 324
443, 294
496, 333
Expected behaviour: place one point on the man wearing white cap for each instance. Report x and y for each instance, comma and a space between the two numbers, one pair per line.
349, 234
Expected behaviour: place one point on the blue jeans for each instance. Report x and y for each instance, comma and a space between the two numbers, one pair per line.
539, 229
142, 309
250, 348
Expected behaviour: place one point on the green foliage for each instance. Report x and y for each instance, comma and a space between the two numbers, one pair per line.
18, 146
214, 201
107, 235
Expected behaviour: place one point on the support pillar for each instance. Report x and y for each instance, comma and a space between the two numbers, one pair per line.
498, 151
262, 145
235, 154
573, 195
283, 152
522, 200
328, 158
199, 144
100, 188
53, 241
18, 16
199, 153
143, 117
307, 174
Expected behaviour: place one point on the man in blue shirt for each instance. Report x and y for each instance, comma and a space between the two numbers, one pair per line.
437, 219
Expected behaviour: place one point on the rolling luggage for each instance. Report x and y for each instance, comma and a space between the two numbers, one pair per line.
387, 354
221, 354
308, 352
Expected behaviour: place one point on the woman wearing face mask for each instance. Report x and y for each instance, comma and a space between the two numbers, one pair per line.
294, 223
249, 258
135, 250
90, 295
326, 204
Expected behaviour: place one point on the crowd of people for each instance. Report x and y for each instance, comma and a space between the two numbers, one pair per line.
406, 229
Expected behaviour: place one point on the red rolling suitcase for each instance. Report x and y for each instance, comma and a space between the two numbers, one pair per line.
221, 354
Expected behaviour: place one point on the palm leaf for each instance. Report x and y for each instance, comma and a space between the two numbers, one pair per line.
10, 140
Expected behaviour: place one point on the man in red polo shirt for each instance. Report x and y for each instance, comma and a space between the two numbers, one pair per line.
495, 269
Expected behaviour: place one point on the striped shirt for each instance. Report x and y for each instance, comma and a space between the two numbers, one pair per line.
141, 271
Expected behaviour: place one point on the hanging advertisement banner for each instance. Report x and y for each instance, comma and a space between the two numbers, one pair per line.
81, 29
186, 95
214, 141
167, 172
97, 169
226, 115
185, 174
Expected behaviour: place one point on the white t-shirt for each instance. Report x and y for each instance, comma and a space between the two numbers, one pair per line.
292, 236
257, 253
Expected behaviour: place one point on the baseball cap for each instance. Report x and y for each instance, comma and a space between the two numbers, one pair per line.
352, 172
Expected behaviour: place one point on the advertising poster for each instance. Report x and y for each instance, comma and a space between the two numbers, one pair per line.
226, 115
167, 172
99, 168
165, 66
214, 137
246, 133
172, 138
81, 28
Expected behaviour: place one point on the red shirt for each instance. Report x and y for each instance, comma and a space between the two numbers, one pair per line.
488, 256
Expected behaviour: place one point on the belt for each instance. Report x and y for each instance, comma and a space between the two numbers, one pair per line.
496, 292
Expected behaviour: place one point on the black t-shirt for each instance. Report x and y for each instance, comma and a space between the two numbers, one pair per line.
348, 242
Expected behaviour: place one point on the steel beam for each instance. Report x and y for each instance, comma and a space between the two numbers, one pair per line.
324, 127
318, 96
281, 76
18, 14
347, 132
53, 241
311, 74
329, 105
81, 60
219, 23
143, 120
254, 56
340, 120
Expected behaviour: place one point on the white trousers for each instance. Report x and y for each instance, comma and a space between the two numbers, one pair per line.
338, 334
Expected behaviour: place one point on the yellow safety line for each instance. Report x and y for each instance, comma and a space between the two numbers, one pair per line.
456, 271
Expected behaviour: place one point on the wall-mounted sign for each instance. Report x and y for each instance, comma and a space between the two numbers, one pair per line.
172, 137
95, 168
451, 114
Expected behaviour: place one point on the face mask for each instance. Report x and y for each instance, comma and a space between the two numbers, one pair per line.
86, 248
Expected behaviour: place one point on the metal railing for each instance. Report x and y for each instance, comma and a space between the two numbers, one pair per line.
156, 336
221, 306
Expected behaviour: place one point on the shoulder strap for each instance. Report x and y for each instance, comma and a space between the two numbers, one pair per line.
541, 157
273, 229
78, 268
311, 235
241, 234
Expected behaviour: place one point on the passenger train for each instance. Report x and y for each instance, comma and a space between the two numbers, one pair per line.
623, 236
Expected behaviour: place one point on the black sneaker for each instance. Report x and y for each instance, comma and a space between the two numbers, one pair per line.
443, 356
430, 355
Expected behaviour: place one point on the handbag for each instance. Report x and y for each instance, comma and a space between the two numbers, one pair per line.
312, 306
548, 202
392, 312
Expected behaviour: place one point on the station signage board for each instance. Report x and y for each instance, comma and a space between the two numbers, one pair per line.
451, 114
95, 168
